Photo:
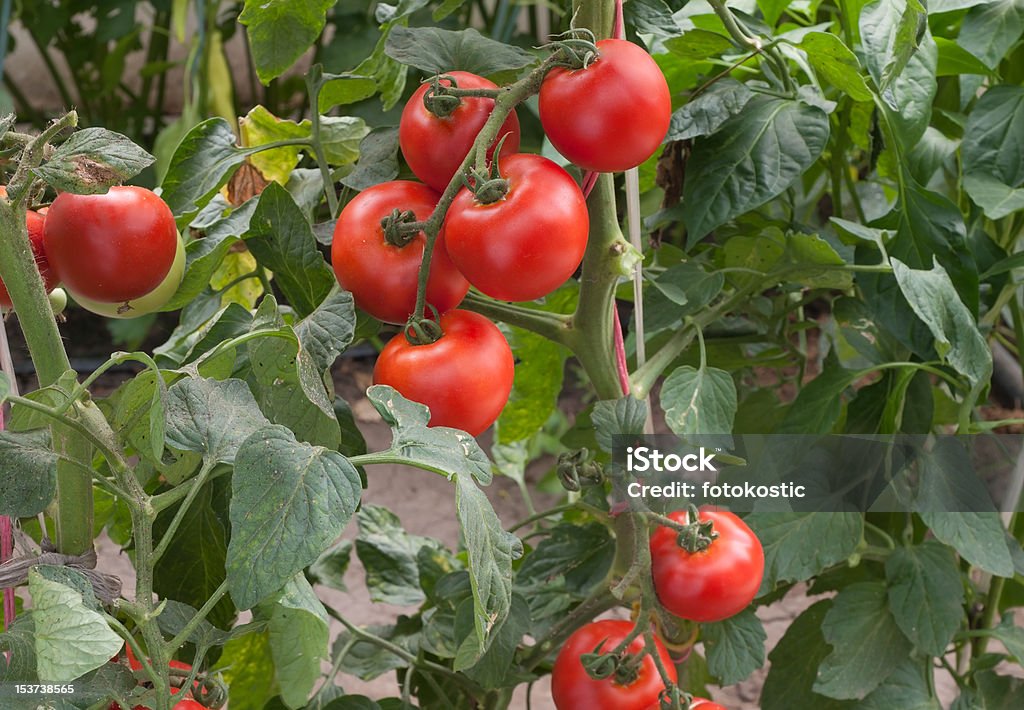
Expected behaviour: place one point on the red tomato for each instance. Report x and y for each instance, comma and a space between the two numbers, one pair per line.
573, 689
34, 221
714, 584
113, 247
382, 277
526, 245
464, 378
435, 147
189, 705
610, 116
695, 704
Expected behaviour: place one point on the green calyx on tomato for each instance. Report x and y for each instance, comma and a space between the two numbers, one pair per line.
611, 115
434, 146
146, 304
113, 247
573, 688
526, 245
464, 377
714, 582
381, 276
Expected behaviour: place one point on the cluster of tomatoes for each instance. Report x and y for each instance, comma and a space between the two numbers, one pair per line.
186, 703
716, 580
519, 247
118, 254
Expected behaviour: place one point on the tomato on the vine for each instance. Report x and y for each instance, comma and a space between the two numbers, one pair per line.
572, 688
381, 276
143, 305
464, 377
112, 247
610, 116
695, 704
526, 244
712, 584
435, 146
35, 223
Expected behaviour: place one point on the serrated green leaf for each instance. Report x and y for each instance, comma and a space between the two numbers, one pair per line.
612, 418
326, 332
907, 688
797, 546
92, 160
926, 595
289, 501
203, 163
699, 44
260, 127
705, 114
435, 51
330, 567
280, 31
699, 401
298, 640
176, 615
378, 160
735, 646
389, 555
28, 473
197, 409
867, 645
836, 63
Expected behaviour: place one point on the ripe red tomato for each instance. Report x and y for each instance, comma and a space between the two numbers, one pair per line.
189, 705
435, 147
714, 584
382, 277
526, 245
695, 704
610, 116
112, 247
34, 221
573, 689
465, 377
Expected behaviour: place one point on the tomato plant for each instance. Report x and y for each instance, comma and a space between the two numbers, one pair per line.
464, 377
526, 244
610, 115
381, 275
434, 145
111, 247
718, 578
633, 686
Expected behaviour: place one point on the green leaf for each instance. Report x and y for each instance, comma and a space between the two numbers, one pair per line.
378, 160
752, 158
954, 60
867, 645
260, 127
836, 63
535, 387
289, 501
328, 331
175, 616
247, 666
92, 160
679, 291
439, 449
298, 640
1010, 635
993, 151
281, 240
926, 595
935, 301
367, 660
340, 137
139, 413
890, 31
446, 8
699, 401
193, 567
997, 692
705, 114
798, 546
735, 646
491, 551
18, 642
28, 473
389, 555
910, 96
819, 403
197, 409
990, 29
70, 638
436, 51
495, 669
907, 688
699, 44
330, 567
343, 89
205, 160
612, 418
280, 31
794, 668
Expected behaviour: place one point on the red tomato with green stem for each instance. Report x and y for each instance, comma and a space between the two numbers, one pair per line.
712, 584
695, 704
382, 276
34, 222
611, 115
435, 146
572, 688
465, 377
112, 247
527, 244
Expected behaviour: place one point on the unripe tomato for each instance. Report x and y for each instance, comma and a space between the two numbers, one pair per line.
112, 247
381, 276
465, 377
526, 245
714, 584
572, 688
35, 223
150, 302
434, 147
610, 116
